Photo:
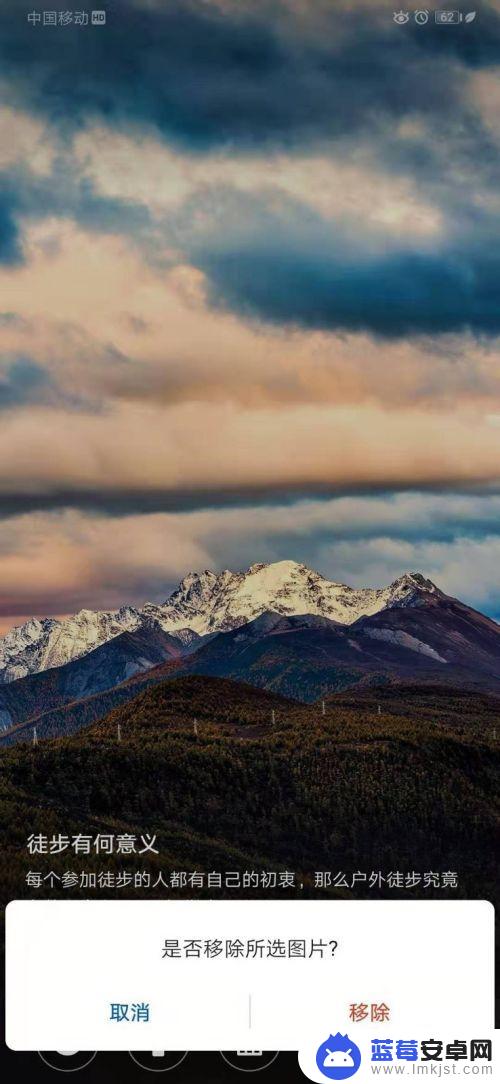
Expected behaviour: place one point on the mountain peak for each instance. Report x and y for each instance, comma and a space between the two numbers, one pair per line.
196, 577
417, 579
283, 567
414, 582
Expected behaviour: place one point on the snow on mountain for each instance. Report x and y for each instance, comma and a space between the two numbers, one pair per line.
216, 603
404, 639
41, 645
204, 603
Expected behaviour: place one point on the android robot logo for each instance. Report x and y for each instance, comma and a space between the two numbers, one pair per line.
338, 1058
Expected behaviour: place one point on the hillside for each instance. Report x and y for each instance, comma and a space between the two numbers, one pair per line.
108, 666
435, 640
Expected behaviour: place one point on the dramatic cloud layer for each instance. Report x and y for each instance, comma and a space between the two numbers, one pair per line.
287, 265
278, 73
249, 298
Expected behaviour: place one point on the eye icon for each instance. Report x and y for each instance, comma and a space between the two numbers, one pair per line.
401, 17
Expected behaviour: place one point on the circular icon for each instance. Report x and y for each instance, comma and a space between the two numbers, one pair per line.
421, 17
338, 1058
67, 1061
249, 1061
159, 1061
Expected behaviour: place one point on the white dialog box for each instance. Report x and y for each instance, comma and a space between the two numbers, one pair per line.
238, 975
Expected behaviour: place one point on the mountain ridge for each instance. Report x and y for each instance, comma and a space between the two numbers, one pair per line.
204, 604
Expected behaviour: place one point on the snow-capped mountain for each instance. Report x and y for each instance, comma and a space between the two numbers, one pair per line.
210, 603
204, 603
42, 645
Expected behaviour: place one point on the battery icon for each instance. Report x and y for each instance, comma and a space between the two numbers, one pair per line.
448, 18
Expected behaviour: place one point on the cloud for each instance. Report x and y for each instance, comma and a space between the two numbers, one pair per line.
63, 193
25, 383
10, 244
358, 187
143, 458
107, 326
271, 257
12, 320
206, 73
64, 562
280, 262
220, 82
24, 139
22, 381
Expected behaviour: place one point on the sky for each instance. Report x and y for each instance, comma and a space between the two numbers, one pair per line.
249, 299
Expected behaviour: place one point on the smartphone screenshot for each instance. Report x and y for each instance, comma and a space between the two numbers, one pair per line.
249, 540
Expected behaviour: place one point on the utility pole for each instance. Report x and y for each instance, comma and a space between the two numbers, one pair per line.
323, 710
195, 728
379, 710
119, 732
35, 736
273, 717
